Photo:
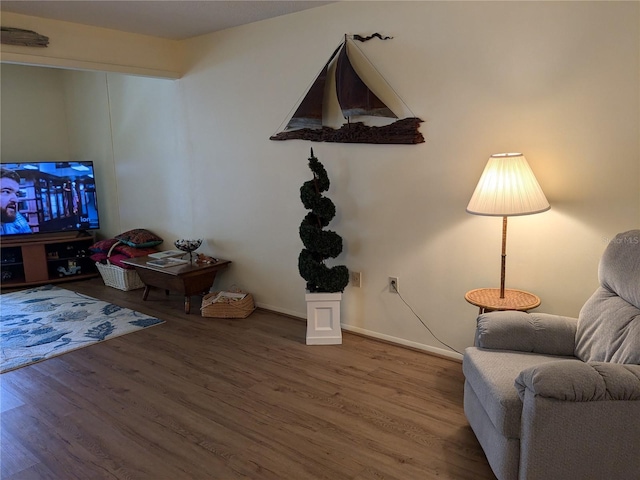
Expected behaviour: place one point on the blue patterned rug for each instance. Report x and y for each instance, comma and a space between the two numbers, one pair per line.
44, 322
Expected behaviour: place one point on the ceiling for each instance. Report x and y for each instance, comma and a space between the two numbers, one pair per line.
173, 19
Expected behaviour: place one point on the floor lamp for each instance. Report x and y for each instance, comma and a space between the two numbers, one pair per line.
507, 188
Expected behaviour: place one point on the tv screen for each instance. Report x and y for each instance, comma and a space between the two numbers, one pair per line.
48, 197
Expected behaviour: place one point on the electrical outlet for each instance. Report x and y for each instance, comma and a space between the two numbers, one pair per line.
355, 279
394, 287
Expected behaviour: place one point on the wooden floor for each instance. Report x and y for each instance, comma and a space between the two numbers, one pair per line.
201, 398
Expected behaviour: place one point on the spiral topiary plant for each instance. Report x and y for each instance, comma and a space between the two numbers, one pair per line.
319, 244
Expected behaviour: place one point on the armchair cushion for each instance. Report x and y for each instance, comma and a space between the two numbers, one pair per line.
491, 374
608, 330
527, 332
609, 323
576, 381
619, 267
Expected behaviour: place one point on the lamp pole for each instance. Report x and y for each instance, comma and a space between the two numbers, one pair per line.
503, 267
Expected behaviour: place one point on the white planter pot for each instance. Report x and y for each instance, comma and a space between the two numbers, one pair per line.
323, 318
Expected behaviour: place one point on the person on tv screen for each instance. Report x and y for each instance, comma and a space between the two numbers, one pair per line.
12, 221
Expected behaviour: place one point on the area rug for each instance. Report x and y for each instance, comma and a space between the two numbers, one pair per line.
44, 322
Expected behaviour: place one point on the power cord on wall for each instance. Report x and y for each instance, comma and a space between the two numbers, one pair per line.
395, 288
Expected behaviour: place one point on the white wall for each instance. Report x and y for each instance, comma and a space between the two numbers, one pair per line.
151, 159
556, 81
130, 127
89, 119
34, 122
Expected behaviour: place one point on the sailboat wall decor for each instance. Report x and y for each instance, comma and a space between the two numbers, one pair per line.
355, 99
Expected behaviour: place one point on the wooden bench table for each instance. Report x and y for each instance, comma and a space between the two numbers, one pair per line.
188, 279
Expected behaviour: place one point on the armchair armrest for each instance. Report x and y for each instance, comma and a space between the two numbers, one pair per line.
576, 381
579, 420
527, 332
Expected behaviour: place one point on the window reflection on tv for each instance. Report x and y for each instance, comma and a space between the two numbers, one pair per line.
48, 197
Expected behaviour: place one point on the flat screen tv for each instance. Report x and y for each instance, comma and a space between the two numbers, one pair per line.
48, 197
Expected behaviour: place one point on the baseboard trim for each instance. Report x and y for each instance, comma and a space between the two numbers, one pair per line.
282, 311
438, 352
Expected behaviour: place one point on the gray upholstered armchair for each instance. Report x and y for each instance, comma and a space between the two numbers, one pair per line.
553, 397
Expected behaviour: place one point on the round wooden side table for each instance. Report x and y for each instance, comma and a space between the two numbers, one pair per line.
488, 299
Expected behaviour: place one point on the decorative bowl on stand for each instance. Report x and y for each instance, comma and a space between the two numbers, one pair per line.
188, 246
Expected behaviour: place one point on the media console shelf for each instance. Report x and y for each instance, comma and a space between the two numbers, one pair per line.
38, 260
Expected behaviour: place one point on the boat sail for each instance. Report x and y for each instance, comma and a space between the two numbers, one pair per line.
354, 95
355, 99
309, 112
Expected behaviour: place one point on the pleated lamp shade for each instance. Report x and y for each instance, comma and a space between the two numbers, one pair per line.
507, 187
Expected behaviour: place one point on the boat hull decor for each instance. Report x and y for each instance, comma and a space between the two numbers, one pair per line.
25, 38
355, 99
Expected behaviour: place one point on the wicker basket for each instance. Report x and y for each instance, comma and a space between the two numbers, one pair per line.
227, 308
117, 277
